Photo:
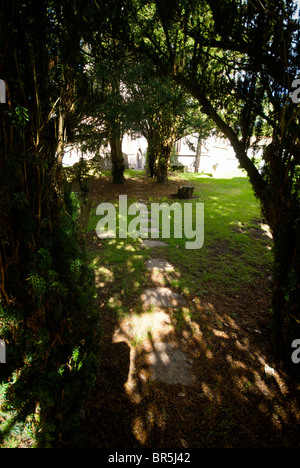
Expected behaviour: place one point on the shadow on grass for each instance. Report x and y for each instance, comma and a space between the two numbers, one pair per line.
238, 395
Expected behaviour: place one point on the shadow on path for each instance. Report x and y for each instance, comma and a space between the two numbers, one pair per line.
108, 411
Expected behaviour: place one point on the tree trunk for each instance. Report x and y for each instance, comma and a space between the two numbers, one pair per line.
60, 151
162, 163
286, 280
162, 170
198, 153
281, 211
117, 159
151, 157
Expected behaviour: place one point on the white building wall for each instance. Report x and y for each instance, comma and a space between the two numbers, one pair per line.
217, 155
135, 148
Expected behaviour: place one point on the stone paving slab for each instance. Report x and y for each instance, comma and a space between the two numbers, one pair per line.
153, 243
160, 264
169, 364
161, 297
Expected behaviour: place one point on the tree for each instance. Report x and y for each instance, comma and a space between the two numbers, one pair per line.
161, 111
156, 108
110, 69
239, 59
104, 120
198, 125
47, 313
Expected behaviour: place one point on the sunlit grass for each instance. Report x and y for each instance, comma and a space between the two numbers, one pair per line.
235, 251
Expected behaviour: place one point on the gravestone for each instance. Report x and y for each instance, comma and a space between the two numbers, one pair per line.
184, 191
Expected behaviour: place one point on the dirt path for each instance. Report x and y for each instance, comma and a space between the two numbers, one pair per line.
188, 374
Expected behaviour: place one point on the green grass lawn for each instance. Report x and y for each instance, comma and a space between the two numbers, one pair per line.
223, 325
235, 251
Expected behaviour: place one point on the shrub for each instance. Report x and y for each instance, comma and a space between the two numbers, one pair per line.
52, 335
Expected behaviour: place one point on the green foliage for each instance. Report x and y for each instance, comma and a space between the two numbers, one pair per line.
51, 343
83, 170
47, 312
173, 156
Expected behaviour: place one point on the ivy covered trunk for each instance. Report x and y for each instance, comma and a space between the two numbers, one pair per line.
163, 159
162, 168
